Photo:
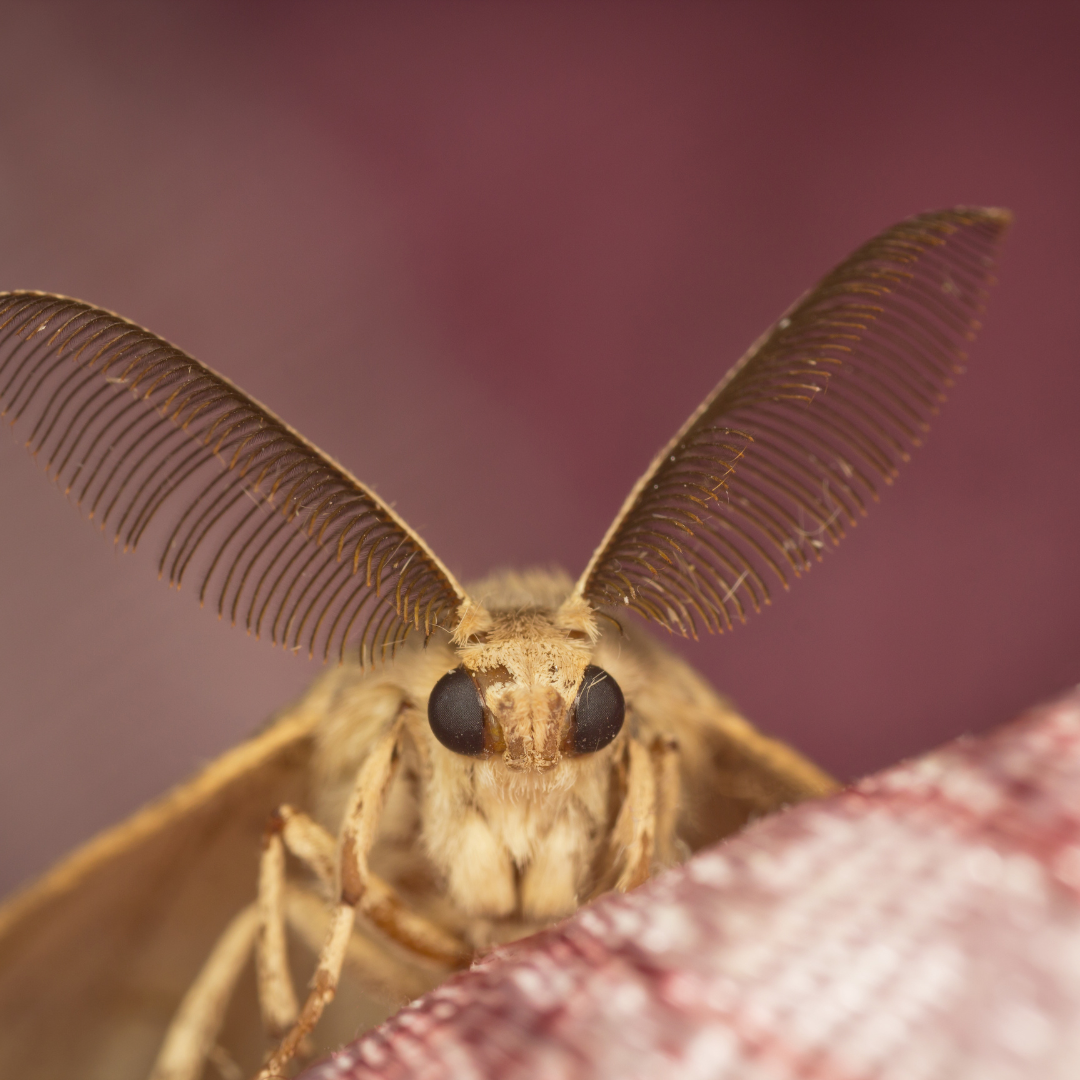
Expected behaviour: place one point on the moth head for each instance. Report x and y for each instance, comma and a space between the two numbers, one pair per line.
788, 450
525, 689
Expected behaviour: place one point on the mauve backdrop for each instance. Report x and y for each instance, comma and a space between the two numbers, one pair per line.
490, 255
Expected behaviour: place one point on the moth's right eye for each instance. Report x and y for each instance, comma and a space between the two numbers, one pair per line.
456, 714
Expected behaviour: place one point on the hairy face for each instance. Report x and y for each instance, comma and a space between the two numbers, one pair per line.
524, 691
528, 671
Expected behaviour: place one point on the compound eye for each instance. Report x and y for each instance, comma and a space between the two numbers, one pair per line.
598, 711
456, 714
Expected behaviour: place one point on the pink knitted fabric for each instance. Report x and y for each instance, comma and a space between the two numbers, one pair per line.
925, 924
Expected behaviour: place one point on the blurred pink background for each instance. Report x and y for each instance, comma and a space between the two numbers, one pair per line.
490, 255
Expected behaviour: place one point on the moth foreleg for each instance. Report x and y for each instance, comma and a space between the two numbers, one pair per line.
646, 817
311, 844
357, 889
670, 850
365, 890
189, 1041
323, 987
369, 893
385, 972
194, 1029
315, 848
277, 998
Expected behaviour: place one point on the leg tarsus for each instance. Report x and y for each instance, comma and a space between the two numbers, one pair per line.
323, 987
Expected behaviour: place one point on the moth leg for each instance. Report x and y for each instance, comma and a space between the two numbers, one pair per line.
277, 998
378, 901
315, 848
194, 1029
664, 751
633, 838
223, 1061
357, 889
381, 969
190, 1040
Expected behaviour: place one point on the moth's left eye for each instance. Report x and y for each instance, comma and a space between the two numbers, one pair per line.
456, 714
598, 711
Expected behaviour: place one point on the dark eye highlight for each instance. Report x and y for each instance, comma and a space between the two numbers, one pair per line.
456, 714
598, 711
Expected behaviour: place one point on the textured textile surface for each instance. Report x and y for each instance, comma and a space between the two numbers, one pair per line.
925, 923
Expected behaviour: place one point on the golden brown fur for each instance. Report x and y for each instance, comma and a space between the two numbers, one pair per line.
496, 848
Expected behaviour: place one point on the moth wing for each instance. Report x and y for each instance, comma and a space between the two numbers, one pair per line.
95, 956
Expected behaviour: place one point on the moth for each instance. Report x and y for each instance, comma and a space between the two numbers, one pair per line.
478, 761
